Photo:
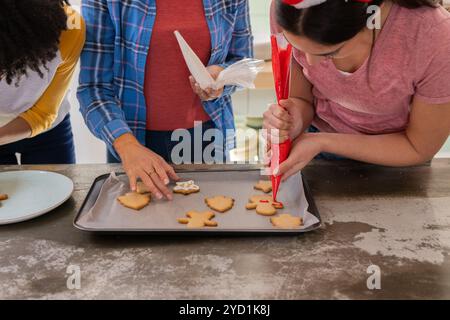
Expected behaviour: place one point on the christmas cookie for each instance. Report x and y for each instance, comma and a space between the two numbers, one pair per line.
286, 221
186, 187
134, 200
220, 203
264, 186
264, 205
198, 219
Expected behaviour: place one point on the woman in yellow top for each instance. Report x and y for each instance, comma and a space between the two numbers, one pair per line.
41, 41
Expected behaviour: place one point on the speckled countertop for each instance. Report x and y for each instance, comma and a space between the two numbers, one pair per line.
396, 219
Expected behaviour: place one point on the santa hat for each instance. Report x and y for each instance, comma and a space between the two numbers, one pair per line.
303, 4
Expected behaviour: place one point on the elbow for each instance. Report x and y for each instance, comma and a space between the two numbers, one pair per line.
421, 153
419, 158
424, 158
39, 121
49, 120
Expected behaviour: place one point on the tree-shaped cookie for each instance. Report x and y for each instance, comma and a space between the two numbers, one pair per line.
264, 205
134, 200
286, 221
264, 186
198, 219
220, 203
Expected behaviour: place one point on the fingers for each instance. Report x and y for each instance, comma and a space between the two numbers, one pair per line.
274, 121
150, 185
170, 171
155, 173
293, 170
274, 135
277, 118
196, 88
204, 95
288, 168
281, 113
267, 158
133, 181
286, 104
214, 93
214, 70
201, 93
159, 177
161, 173
161, 186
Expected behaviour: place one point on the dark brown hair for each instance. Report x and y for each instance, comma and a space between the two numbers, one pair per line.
29, 35
333, 21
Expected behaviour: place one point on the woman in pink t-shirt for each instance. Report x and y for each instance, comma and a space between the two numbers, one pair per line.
378, 95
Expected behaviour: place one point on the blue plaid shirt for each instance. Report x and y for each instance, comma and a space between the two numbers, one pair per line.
111, 91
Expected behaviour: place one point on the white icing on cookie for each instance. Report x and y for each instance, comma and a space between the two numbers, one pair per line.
186, 186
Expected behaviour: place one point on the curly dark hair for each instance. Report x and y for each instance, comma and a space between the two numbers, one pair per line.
29, 35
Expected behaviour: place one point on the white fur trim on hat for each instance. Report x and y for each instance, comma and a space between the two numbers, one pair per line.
303, 4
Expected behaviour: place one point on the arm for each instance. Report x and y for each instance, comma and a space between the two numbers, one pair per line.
241, 47
428, 130
99, 104
44, 112
102, 109
15, 130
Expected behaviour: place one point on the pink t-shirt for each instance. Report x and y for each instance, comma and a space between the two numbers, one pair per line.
411, 58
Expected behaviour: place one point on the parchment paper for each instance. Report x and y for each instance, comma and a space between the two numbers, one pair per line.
108, 214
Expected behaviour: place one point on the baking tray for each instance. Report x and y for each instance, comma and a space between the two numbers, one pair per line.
260, 225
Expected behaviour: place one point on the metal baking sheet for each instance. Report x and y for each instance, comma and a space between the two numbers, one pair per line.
101, 212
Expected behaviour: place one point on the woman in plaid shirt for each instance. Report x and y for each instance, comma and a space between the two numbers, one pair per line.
135, 88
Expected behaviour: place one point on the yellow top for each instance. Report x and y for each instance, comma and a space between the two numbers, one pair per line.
44, 112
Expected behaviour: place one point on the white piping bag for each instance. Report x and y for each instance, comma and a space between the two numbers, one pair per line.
195, 65
242, 73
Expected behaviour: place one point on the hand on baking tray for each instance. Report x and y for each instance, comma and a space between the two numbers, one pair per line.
283, 121
305, 148
140, 162
208, 94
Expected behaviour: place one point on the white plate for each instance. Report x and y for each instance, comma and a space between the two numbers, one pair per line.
31, 194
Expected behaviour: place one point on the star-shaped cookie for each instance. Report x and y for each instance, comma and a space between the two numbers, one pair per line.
186, 187
198, 219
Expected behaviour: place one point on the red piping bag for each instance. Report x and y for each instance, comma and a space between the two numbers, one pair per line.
281, 64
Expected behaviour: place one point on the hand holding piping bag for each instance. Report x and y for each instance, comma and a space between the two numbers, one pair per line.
209, 93
281, 64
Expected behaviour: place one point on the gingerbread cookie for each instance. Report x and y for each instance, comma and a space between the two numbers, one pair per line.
220, 203
264, 205
142, 188
198, 219
186, 187
264, 186
286, 221
3, 197
134, 200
